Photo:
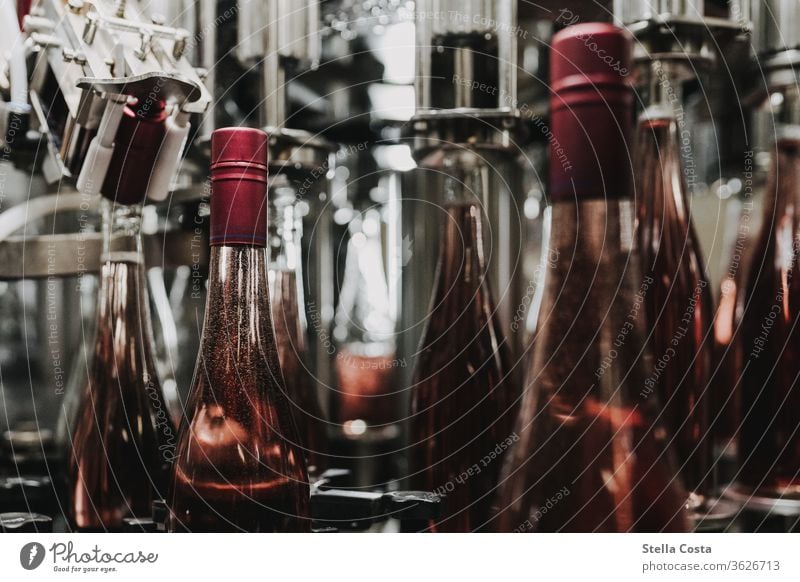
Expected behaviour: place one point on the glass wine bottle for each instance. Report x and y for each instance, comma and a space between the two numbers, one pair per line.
462, 398
769, 439
589, 455
289, 319
238, 465
678, 302
122, 439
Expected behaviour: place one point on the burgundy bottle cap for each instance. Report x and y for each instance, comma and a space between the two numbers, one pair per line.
148, 108
591, 57
239, 186
138, 142
591, 113
239, 145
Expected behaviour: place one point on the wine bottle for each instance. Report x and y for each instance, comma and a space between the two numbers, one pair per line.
238, 465
678, 303
769, 440
590, 455
122, 440
462, 398
288, 316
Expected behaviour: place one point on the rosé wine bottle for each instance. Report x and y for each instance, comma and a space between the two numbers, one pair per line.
239, 464
591, 455
463, 399
122, 438
679, 303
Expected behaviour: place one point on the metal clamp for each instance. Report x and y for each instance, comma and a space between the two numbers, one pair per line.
92, 52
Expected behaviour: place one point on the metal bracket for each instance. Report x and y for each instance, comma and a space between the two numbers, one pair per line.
73, 254
167, 85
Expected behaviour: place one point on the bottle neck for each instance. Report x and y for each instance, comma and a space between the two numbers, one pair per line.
238, 288
466, 177
660, 177
122, 233
666, 92
123, 313
461, 256
461, 253
596, 228
237, 330
592, 302
660, 172
285, 231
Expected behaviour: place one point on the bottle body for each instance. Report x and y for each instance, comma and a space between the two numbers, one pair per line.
679, 304
463, 401
238, 464
122, 438
769, 443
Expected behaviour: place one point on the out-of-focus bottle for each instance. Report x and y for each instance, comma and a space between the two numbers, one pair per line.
740, 238
365, 404
187, 298
769, 335
591, 455
463, 399
123, 440
165, 329
679, 303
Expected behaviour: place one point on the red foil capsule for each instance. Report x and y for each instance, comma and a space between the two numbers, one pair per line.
239, 186
136, 148
590, 64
